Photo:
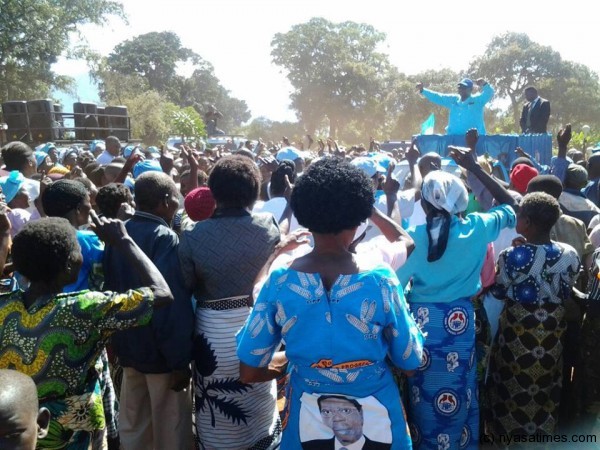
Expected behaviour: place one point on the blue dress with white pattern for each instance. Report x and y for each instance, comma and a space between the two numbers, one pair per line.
338, 343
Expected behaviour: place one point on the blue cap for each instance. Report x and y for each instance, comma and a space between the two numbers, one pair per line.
368, 165
153, 149
148, 165
46, 147
466, 82
12, 184
40, 157
291, 153
128, 150
382, 158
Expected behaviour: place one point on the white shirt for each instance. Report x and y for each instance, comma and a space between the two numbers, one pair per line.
105, 158
276, 206
358, 445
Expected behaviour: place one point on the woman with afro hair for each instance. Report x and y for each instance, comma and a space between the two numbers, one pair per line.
342, 317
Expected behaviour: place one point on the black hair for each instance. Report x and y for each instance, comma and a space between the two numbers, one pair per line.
530, 88
96, 175
62, 197
339, 397
541, 209
278, 185
119, 160
202, 176
332, 196
87, 183
549, 184
42, 249
151, 188
110, 198
593, 166
15, 155
521, 160
90, 168
235, 181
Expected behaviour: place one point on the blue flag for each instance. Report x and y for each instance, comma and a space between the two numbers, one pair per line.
428, 125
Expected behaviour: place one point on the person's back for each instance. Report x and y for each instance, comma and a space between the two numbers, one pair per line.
155, 357
226, 253
457, 271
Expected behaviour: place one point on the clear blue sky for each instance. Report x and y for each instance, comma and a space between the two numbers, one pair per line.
235, 35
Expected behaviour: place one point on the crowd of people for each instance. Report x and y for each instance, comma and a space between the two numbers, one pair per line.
280, 297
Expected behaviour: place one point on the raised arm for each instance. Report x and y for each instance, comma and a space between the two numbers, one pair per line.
391, 230
444, 100
113, 232
462, 157
560, 163
487, 91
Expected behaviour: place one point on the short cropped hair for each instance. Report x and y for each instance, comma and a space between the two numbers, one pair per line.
62, 197
339, 397
541, 209
151, 188
15, 155
235, 181
110, 198
332, 196
42, 249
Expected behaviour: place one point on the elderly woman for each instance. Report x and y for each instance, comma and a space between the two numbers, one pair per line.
57, 338
445, 270
343, 319
220, 258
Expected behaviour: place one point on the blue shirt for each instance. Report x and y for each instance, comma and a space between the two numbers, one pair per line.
90, 276
464, 115
457, 273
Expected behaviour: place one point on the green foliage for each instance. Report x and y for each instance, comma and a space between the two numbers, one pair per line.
34, 33
150, 61
336, 72
154, 57
270, 130
186, 122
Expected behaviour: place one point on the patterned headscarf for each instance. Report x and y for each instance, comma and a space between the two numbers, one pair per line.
446, 196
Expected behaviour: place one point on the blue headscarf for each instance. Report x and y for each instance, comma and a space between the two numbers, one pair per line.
12, 184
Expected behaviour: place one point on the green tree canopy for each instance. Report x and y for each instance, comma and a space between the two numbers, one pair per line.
336, 71
150, 61
34, 33
154, 56
511, 62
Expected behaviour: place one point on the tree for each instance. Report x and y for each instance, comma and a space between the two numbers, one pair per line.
185, 122
154, 56
34, 33
575, 97
150, 117
511, 62
335, 70
270, 130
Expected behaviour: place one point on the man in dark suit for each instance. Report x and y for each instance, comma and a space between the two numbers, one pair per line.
535, 114
345, 418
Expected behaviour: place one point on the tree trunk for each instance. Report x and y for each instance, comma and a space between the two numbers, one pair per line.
516, 112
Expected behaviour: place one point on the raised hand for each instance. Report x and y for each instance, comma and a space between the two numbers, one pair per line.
481, 82
564, 136
110, 231
419, 86
522, 153
166, 160
471, 138
462, 156
390, 185
413, 154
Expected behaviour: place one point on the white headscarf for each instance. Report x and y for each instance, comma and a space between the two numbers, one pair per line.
447, 196
445, 191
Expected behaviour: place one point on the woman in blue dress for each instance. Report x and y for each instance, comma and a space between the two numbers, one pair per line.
343, 320
445, 270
